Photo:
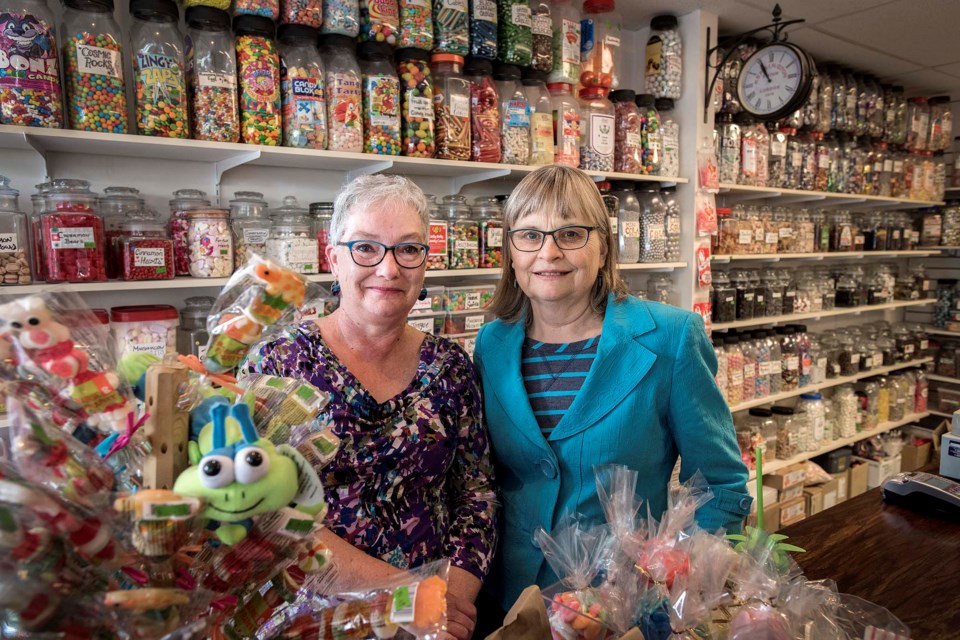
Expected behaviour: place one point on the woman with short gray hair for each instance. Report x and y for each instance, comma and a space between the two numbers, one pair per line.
412, 481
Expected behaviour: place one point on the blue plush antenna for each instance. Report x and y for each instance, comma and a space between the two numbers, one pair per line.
241, 413
219, 416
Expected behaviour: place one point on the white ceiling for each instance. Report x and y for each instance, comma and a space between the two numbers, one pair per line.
910, 42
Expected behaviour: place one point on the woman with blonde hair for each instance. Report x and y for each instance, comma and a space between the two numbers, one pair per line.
576, 373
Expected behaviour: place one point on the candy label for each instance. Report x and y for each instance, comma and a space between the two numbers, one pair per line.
611, 41
542, 26
158, 349
494, 237
473, 323
383, 11
421, 107
260, 83
601, 133
464, 245
778, 148
149, 257
518, 113
542, 126
586, 39
472, 300
403, 605
485, 10
161, 75
656, 232
438, 238
98, 60
218, 80
28, 54
345, 93
455, 5
633, 139
460, 106
673, 225
8, 243
168, 510
613, 224
255, 236
383, 103
570, 48
72, 238
521, 15
422, 324
566, 132
631, 229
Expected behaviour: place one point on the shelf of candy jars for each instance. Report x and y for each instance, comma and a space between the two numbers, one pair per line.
854, 141
746, 297
767, 365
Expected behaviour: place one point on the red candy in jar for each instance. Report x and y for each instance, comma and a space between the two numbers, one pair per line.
72, 232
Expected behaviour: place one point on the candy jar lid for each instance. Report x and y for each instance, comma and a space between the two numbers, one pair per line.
486, 207
117, 201
290, 206
8, 195
455, 206
247, 204
321, 209
185, 199
197, 308
69, 193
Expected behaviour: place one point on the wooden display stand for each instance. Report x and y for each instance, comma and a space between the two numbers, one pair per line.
168, 428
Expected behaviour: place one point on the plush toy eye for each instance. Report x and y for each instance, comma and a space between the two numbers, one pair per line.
16, 325
252, 464
216, 472
33, 321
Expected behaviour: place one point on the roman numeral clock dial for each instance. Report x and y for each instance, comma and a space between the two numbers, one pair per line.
775, 81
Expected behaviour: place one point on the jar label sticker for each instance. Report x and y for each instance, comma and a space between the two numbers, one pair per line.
778, 148
485, 10
460, 106
438, 238
8, 243
423, 305
758, 233
413, 3
823, 160
518, 114
611, 41
28, 54
633, 139
217, 80
494, 237
158, 349
344, 93
455, 5
421, 107
745, 236
785, 232
749, 155
770, 238
630, 229
159, 78
98, 60
898, 166
749, 371
888, 165
255, 236
469, 345
796, 159
473, 323
472, 300
542, 26
302, 251
521, 15
465, 245
149, 257
736, 377
656, 232
541, 125
602, 133
613, 224
72, 238
654, 56
570, 41
383, 11
382, 92
673, 225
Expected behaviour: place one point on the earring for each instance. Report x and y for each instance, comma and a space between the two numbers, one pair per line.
335, 288
423, 294
515, 285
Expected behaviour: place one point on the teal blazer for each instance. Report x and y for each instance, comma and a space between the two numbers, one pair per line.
649, 397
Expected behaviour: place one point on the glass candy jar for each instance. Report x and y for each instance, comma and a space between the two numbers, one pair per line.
292, 243
250, 226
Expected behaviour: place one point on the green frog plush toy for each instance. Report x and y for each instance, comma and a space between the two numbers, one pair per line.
242, 475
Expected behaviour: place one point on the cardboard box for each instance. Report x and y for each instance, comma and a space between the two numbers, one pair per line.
857, 483
792, 511
912, 457
785, 478
813, 498
829, 494
770, 496
842, 479
791, 492
880, 470
771, 517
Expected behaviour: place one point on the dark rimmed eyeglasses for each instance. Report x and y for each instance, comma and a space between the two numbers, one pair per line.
370, 253
570, 237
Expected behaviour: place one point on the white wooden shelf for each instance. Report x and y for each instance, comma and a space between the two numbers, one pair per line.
216, 283
941, 414
826, 384
816, 315
227, 156
936, 331
742, 192
937, 378
833, 255
776, 465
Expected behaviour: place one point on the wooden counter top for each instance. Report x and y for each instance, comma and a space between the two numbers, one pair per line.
904, 560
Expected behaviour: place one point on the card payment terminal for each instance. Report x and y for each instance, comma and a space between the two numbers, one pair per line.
924, 492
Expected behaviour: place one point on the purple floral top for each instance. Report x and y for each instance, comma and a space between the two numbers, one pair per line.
413, 479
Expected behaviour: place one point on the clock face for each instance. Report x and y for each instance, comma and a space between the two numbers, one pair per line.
774, 81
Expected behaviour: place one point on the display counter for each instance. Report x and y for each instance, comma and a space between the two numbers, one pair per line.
907, 561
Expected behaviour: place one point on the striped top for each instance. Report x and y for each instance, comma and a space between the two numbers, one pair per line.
553, 375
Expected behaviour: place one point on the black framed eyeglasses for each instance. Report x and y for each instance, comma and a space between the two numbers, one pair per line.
570, 237
370, 253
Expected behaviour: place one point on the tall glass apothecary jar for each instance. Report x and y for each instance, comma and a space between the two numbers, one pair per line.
463, 233
250, 226
628, 222
14, 240
653, 235
322, 214
291, 243
209, 243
